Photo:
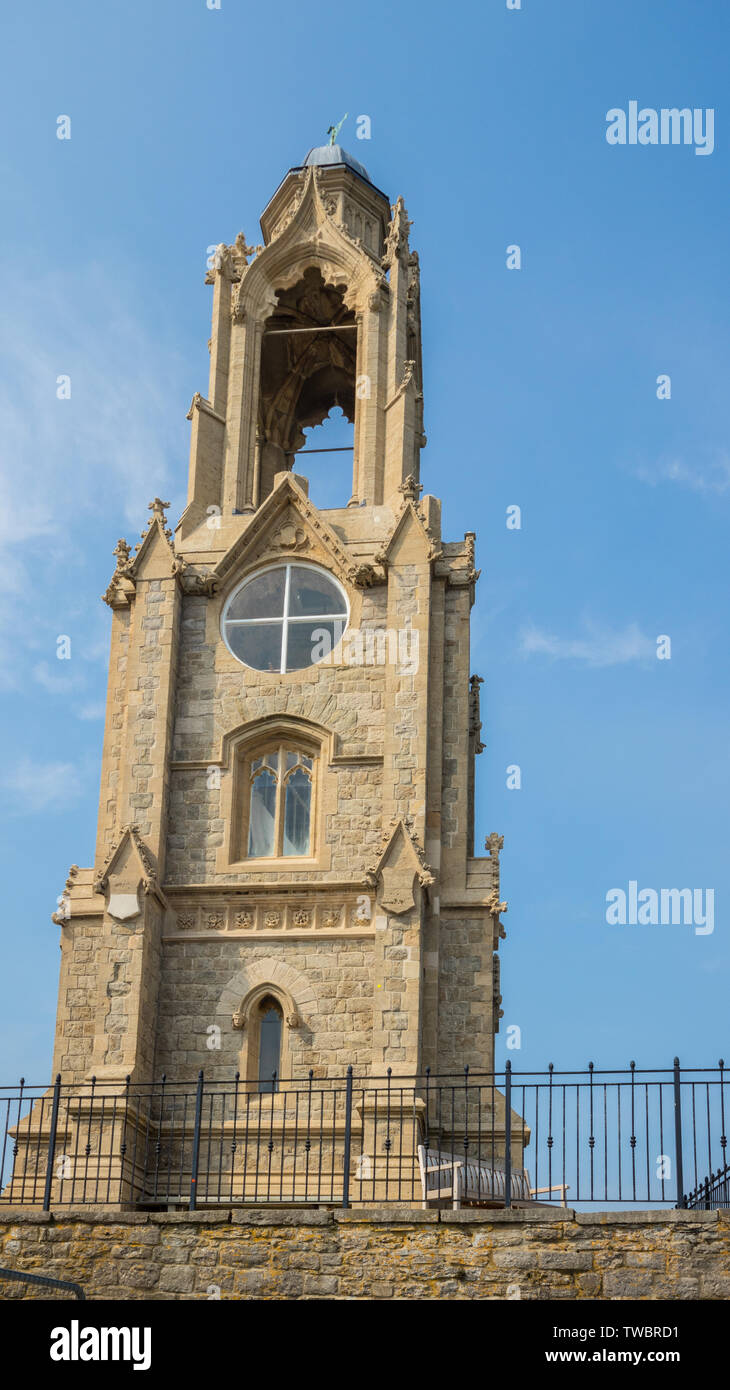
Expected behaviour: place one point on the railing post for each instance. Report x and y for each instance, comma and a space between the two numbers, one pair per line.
348, 1141
52, 1142
678, 1133
508, 1133
196, 1141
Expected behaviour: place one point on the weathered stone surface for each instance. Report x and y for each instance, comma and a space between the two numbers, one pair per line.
280, 1255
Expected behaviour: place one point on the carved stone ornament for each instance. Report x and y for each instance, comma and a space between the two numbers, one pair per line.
192, 580
124, 906
364, 575
63, 914
495, 844
291, 211
238, 310
293, 1021
147, 877
290, 537
396, 241
120, 585
285, 507
475, 722
158, 509
397, 895
410, 489
240, 252
423, 870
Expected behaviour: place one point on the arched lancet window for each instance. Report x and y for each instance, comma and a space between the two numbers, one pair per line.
280, 803
262, 816
270, 1029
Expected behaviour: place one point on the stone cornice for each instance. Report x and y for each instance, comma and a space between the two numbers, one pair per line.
308, 886
321, 934
337, 760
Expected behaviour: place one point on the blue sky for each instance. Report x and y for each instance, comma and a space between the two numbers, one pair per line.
540, 392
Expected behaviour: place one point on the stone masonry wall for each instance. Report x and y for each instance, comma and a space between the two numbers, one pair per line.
465, 991
201, 979
378, 1254
212, 700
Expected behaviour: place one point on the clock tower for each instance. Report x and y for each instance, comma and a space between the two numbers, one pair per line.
285, 878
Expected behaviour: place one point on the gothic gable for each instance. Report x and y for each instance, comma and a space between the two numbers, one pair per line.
154, 558
308, 234
128, 868
409, 529
287, 525
400, 865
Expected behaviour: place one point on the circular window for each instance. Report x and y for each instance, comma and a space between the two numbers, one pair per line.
285, 618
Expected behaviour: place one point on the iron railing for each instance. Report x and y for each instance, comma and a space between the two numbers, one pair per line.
41, 1281
627, 1137
713, 1193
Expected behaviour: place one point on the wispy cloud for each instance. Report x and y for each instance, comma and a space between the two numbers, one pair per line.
94, 710
710, 475
113, 441
66, 463
599, 646
60, 682
40, 786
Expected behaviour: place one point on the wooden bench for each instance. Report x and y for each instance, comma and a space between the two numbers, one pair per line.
473, 1181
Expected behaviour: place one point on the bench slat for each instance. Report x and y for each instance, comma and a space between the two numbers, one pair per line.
473, 1180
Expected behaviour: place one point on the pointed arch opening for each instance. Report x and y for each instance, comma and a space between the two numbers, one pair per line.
270, 1032
328, 448
309, 356
267, 1015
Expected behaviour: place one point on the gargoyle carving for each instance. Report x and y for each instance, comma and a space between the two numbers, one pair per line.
364, 575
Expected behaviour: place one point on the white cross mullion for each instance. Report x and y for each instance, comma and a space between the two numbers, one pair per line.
318, 618
285, 625
295, 618
246, 622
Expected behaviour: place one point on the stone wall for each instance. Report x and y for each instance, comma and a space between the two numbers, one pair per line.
203, 983
378, 1254
465, 991
216, 695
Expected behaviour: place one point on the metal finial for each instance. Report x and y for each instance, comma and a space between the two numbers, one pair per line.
334, 130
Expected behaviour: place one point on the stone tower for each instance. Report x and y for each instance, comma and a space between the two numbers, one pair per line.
284, 875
